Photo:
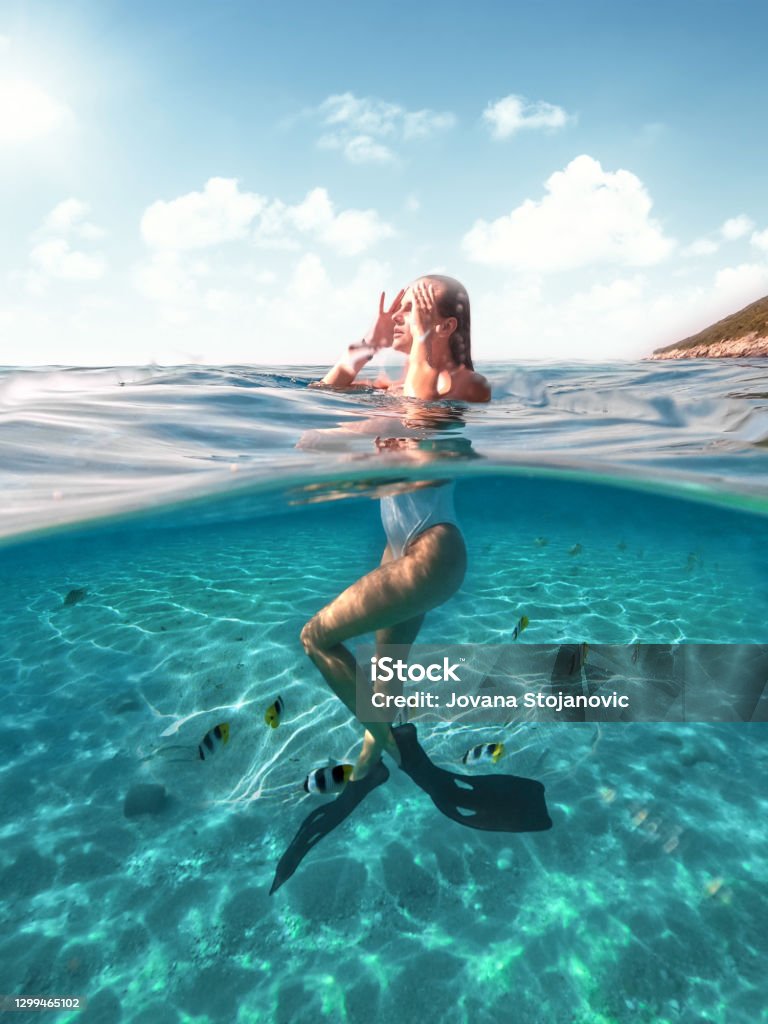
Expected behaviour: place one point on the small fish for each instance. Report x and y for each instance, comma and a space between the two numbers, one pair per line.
719, 891
74, 596
524, 620
274, 711
217, 737
635, 654
579, 658
713, 887
622, 545
484, 753
213, 740
541, 542
328, 780
575, 550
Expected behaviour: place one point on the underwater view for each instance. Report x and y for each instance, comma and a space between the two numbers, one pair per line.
166, 534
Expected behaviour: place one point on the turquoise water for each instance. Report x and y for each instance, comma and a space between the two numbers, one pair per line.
206, 515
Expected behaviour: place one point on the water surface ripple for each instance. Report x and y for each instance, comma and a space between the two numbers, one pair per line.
77, 444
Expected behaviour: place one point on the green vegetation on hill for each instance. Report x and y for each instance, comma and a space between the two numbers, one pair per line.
752, 318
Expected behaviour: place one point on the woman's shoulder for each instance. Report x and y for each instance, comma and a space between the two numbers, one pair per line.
470, 386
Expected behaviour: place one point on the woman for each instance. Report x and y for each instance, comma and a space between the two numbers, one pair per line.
422, 567
425, 558
436, 310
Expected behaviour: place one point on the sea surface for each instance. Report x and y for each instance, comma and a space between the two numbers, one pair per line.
164, 535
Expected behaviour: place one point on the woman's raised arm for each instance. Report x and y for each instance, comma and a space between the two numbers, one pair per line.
359, 353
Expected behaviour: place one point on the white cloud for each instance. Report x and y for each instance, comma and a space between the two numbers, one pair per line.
515, 113
220, 213
65, 214
588, 216
358, 149
310, 278
69, 217
362, 149
376, 117
531, 317
760, 239
314, 213
27, 112
738, 286
601, 298
304, 306
347, 233
701, 247
736, 227
730, 230
421, 123
354, 231
185, 287
360, 124
55, 258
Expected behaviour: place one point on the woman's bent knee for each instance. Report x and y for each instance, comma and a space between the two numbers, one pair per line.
309, 636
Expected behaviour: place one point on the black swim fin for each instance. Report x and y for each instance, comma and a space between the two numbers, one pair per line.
324, 819
494, 803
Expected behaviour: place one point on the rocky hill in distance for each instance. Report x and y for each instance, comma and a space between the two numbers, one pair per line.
742, 334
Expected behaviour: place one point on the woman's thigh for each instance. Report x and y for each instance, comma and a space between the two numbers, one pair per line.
402, 633
399, 591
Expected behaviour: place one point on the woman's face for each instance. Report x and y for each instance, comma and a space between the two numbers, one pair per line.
403, 338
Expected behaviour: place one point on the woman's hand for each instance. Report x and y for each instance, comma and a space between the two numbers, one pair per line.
423, 319
381, 334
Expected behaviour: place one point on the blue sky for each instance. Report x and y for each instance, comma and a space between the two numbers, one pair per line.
236, 182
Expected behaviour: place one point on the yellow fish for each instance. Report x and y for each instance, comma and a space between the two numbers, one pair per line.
274, 711
484, 753
215, 738
579, 658
524, 620
328, 780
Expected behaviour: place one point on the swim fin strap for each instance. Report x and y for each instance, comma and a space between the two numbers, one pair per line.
324, 819
493, 803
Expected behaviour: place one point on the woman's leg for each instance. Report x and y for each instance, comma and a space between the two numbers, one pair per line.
402, 636
397, 594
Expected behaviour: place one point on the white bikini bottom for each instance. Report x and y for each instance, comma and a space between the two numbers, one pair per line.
406, 515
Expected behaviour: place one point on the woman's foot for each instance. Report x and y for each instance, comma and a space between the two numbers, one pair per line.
371, 754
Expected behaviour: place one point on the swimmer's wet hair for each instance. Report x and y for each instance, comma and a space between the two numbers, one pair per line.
454, 301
